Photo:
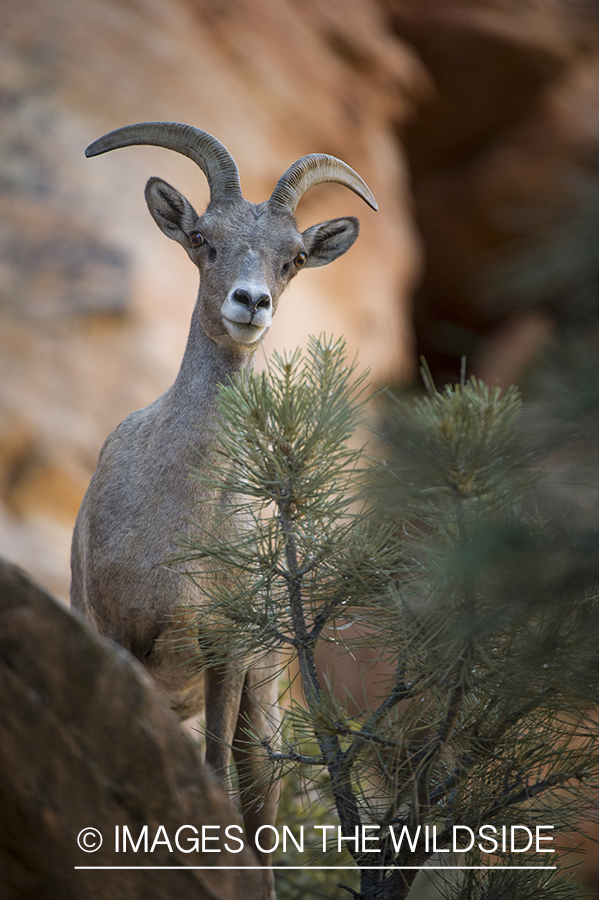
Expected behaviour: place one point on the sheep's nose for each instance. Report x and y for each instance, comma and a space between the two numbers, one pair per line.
259, 301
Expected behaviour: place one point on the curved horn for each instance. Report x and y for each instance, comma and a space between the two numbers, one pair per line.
211, 156
316, 169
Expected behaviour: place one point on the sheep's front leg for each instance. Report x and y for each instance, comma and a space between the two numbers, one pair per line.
223, 687
259, 793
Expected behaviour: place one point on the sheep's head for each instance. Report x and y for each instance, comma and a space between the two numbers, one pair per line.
247, 253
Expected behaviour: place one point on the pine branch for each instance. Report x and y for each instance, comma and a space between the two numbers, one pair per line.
343, 793
462, 590
400, 691
291, 756
530, 791
302, 572
509, 800
483, 745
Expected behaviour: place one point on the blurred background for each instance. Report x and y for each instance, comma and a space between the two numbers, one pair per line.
474, 122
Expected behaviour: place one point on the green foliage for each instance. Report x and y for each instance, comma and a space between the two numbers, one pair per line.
511, 885
482, 568
283, 447
441, 561
302, 801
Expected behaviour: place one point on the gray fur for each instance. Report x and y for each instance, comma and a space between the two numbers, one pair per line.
140, 496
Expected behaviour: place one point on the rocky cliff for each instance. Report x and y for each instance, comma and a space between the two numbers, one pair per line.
95, 753
94, 302
458, 113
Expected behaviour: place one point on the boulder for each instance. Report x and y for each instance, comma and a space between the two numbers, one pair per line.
86, 743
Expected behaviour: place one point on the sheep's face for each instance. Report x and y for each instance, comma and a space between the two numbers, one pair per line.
247, 254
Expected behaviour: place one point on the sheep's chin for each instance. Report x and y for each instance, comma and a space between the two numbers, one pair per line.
244, 333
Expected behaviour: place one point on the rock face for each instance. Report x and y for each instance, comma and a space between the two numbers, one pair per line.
94, 301
510, 129
86, 743
490, 101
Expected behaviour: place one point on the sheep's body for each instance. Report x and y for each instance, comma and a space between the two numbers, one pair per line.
138, 501
141, 497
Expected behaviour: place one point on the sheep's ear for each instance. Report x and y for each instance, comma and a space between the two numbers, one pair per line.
329, 240
174, 215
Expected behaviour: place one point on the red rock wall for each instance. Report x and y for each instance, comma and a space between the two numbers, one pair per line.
513, 122
486, 101
94, 302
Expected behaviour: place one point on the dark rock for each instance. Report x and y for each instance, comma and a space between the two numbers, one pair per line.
86, 743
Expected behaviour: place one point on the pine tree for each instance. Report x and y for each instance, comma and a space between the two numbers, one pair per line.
437, 556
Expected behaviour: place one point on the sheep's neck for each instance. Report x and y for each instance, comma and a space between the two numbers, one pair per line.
205, 365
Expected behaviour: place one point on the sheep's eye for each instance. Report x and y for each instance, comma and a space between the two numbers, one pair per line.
196, 239
300, 259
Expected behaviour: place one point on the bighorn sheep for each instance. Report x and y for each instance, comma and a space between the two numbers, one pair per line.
140, 495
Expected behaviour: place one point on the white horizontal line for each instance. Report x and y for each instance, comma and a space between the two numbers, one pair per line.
290, 868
